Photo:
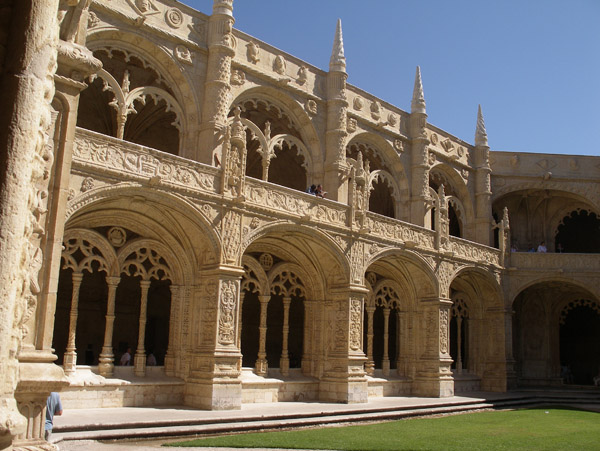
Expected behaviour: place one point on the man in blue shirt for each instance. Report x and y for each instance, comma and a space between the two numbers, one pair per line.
53, 407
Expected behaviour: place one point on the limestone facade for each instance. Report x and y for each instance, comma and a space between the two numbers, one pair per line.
158, 203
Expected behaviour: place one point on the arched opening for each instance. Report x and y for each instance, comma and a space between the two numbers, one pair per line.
579, 232
158, 316
250, 329
283, 162
287, 168
381, 200
454, 220
111, 106
91, 311
580, 343
127, 313
459, 335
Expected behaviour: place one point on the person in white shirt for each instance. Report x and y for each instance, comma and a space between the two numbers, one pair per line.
542, 247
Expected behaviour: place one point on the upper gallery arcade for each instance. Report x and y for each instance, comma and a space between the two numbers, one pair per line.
169, 215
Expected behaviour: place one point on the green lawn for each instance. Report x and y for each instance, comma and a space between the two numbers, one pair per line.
527, 429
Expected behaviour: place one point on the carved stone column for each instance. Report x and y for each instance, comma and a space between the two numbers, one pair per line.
434, 375
370, 364
483, 190
139, 361
385, 363
173, 346
284, 361
214, 380
343, 378
106, 361
50, 166
217, 88
70, 358
335, 137
420, 160
262, 365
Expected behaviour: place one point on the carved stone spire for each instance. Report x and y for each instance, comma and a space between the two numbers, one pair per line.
337, 62
481, 138
418, 100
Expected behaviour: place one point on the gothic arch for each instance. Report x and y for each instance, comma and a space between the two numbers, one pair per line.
161, 60
480, 283
310, 242
173, 265
388, 155
585, 195
454, 183
416, 272
97, 240
97, 207
582, 286
290, 106
258, 284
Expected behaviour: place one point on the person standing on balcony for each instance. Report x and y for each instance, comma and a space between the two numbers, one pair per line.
542, 247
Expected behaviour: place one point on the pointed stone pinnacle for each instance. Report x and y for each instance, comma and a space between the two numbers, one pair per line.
481, 138
418, 100
337, 62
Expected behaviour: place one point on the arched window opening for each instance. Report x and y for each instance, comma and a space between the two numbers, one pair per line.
281, 156
454, 222
459, 339
580, 343
381, 331
91, 311
579, 232
381, 200
127, 313
158, 315
287, 168
250, 328
129, 100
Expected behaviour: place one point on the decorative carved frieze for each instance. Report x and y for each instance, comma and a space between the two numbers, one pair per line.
119, 158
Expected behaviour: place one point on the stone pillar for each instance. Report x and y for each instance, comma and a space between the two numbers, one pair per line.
335, 182
139, 361
385, 364
459, 339
214, 379
27, 64
171, 355
420, 158
106, 361
49, 179
284, 361
262, 365
343, 379
217, 88
434, 375
70, 358
370, 364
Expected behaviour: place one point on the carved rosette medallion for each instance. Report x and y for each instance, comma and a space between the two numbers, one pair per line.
174, 17
227, 305
117, 236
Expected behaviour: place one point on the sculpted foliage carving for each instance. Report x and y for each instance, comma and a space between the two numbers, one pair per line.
355, 324
227, 308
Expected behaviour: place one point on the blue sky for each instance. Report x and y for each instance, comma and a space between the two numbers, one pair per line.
533, 65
